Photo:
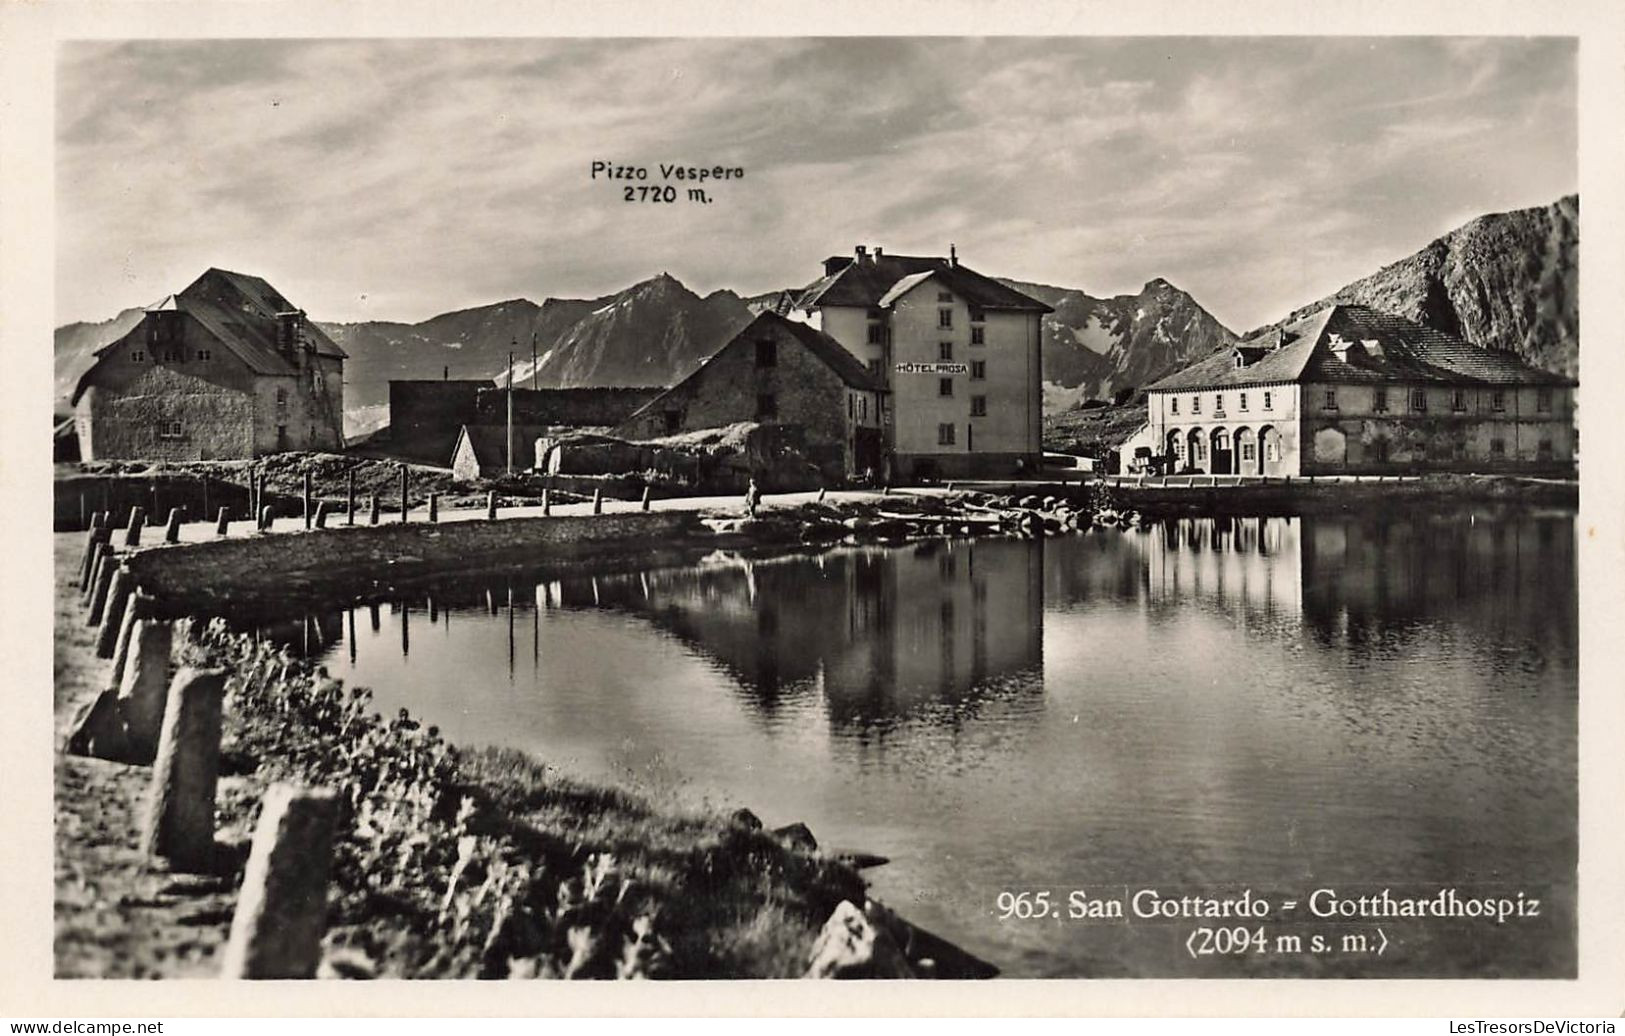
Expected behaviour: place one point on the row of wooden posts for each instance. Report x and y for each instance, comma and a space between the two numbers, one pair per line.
173, 724
315, 513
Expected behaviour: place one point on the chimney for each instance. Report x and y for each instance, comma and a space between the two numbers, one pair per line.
445, 373
953, 256
862, 253
878, 253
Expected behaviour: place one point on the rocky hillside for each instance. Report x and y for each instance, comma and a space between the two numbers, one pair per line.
1094, 348
76, 346
652, 334
1508, 280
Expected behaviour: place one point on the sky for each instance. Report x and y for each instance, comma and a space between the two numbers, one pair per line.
398, 179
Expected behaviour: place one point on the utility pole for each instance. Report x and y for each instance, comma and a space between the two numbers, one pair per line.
510, 410
533, 361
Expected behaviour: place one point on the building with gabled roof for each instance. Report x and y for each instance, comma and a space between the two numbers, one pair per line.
777, 371
1350, 389
958, 351
226, 368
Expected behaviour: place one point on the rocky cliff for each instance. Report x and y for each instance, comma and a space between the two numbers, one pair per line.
1508, 280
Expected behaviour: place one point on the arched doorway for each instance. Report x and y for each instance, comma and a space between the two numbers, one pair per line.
1196, 452
1223, 459
1175, 451
1246, 452
1269, 451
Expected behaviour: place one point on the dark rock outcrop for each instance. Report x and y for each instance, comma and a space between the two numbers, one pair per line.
1508, 280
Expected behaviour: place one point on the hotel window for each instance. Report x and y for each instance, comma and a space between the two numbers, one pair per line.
1544, 451
877, 334
978, 336
945, 318
137, 356
976, 315
1247, 449
767, 353
767, 406
1543, 401
1419, 400
874, 367
1331, 399
1498, 401
1218, 402
945, 435
978, 370
1379, 400
851, 406
1458, 400
170, 430
1266, 401
204, 354
978, 406
945, 386
945, 350
1196, 404
863, 408
1498, 447
1173, 405
945, 296
1243, 404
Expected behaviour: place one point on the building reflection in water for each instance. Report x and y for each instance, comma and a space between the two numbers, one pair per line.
877, 633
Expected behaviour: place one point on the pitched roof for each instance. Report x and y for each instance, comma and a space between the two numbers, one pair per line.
1370, 346
869, 281
241, 311
490, 443
821, 345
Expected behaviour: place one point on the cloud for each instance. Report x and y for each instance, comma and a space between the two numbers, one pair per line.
429, 175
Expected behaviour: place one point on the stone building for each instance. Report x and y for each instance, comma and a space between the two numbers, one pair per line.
959, 352
227, 368
1349, 389
777, 371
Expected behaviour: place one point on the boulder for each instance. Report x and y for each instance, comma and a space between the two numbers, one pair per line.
746, 819
851, 946
796, 836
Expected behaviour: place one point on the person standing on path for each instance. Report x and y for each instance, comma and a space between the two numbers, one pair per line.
753, 497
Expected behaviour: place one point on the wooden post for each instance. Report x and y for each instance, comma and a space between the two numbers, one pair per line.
172, 530
222, 524
143, 683
132, 532
83, 518
321, 515
491, 504
98, 593
205, 511
349, 511
434, 507
547, 501
180, 802
645, 498
118, 596
374, 517
597, 500
265, 518
276, 932
306, 512
403, 494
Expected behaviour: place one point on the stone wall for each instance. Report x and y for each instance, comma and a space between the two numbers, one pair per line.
243, 570
568, 408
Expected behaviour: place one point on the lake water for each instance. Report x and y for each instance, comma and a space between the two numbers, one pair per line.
1198, 708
